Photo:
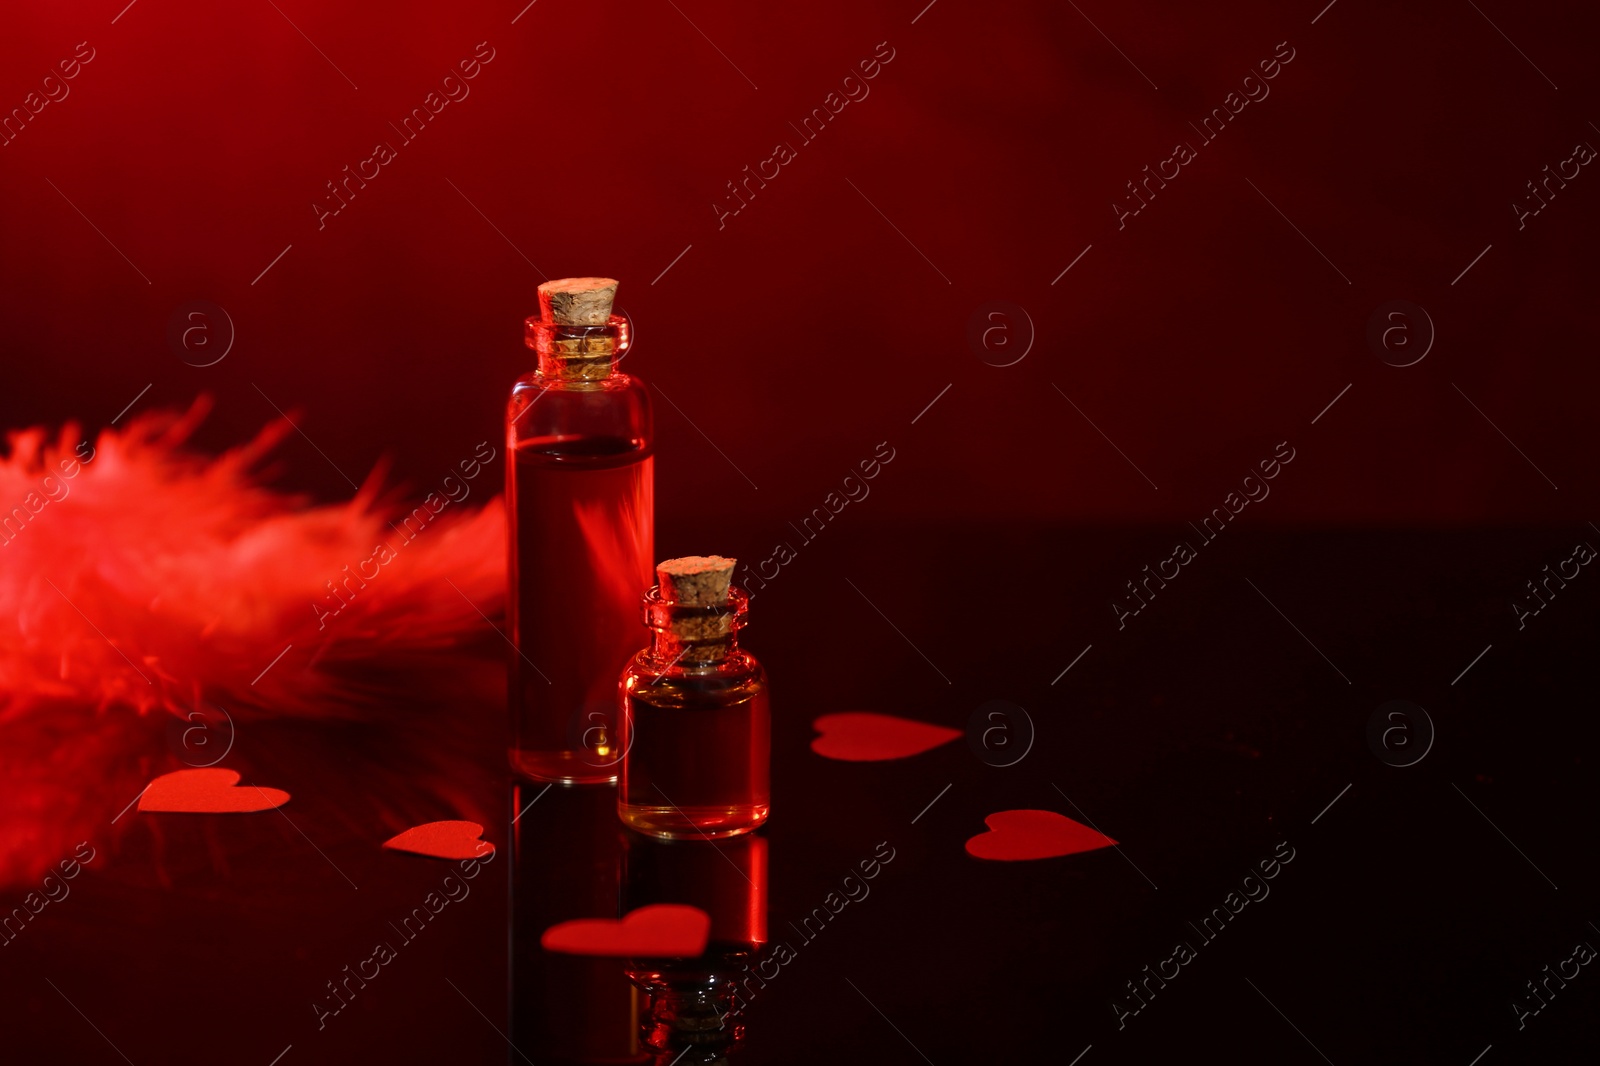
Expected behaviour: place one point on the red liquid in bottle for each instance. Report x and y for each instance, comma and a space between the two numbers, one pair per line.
699, 753
581, 542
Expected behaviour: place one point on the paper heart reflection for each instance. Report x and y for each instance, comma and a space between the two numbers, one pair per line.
1017, 835
208, 791
862, 736
660, 930
442, 840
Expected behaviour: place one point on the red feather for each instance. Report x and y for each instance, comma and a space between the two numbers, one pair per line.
151, 578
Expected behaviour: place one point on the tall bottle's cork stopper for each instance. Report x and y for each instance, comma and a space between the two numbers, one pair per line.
696, 580
577, 301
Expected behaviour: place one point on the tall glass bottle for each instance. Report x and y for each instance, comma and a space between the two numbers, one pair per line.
580, 516
697, 723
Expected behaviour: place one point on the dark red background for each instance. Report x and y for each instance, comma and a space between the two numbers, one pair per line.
807, 330
799, 336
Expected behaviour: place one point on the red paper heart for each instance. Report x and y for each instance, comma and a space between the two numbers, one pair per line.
1017, 835
861, 736
209, 791
661, 930
442, 840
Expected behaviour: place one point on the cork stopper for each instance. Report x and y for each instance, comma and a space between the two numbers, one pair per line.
577, 301
695, 604
696, 580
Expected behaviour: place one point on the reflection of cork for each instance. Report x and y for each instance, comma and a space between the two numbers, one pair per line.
695, 580
577, 301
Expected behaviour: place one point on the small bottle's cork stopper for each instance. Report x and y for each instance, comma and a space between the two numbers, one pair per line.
577, 301
696, 580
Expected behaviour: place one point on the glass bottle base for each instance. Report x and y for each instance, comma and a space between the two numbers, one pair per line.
693, 823
562, 767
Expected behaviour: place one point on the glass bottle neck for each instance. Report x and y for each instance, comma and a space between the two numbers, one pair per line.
692, 637
577, 355
670, 648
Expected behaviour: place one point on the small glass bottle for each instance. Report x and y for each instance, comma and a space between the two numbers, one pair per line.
696, 723
580, 521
